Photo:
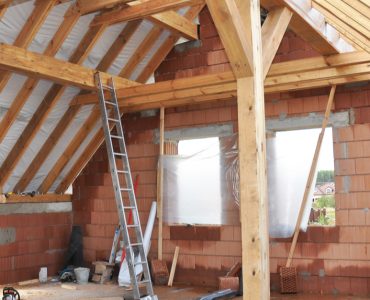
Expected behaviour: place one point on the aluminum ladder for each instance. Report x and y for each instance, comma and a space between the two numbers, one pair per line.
124, 189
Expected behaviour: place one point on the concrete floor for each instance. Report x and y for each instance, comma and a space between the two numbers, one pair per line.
92, 291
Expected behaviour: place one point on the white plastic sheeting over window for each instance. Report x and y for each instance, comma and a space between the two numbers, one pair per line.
191, 195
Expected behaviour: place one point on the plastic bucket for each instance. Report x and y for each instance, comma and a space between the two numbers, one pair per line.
82, 275
43, 275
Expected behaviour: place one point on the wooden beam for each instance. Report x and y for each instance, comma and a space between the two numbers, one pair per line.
51, 98
3, 9
31, 83
43, 198
160, 184
234, 34
28, 32
166, 47
40, 66
252, 168
68, 116
70, 150
143, 10
287, 76
273, 31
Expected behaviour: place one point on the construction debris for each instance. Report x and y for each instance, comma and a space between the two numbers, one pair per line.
160, 274
103, 272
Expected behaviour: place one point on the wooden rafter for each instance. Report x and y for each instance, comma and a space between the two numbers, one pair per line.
273, 31
349, 21
3, 9
234, 34
309, 29
51, 98
28, 32
88, 6
72, 147
68, 116
40, 66
151, 10
98, 139
31, 83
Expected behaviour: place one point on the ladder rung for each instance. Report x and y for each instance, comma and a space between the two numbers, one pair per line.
143, 281
107, 87
125, 189
119, 154
140, 263
122, 172
136, 244
113, 120
129, 207
132, 226
116, 137
110, 103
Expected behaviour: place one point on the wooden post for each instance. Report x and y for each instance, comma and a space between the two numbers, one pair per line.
253, 176
311, 176
160, 185
173, 267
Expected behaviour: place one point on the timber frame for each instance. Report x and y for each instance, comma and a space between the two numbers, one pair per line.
338, 33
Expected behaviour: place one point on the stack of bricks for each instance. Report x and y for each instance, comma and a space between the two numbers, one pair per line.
38, 240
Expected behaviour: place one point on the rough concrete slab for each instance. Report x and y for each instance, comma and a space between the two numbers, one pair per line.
34, 208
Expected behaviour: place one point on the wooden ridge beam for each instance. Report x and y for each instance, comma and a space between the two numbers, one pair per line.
31, 83
68, 116
273, 31
28, 32
40, 66
38, 198
51, 98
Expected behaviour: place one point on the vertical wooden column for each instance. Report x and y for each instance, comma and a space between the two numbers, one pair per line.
160, 185
253, 174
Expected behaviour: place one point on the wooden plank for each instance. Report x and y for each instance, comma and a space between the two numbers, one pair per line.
311, 176
166, 47
40, 66
43, 110
69, 151
273, 31
28, 32
160, 184
173, 267
31, 83
66, 119
143, 10
230, 24
3, 9
42, 198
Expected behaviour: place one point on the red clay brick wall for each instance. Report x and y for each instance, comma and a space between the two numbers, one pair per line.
330, 260
41, 241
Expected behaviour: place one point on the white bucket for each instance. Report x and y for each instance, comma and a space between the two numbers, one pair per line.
82, 275
43, 275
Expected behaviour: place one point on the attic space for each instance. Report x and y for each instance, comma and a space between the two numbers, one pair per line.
189, 149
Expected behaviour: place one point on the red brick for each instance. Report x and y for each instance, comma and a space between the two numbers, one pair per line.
345, 134
358, 252
357, 183
363, 165
345, 167
228, 283
341, 217
355, 149
362, 132
356, 217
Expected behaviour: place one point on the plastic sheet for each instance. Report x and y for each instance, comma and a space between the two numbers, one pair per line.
192, 196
